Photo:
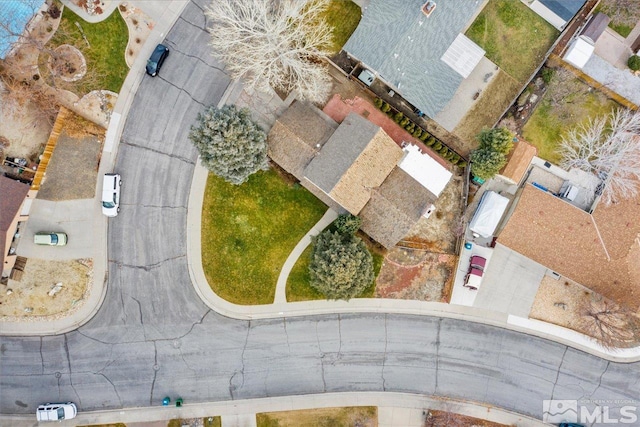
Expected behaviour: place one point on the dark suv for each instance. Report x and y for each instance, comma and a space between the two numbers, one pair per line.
158, 56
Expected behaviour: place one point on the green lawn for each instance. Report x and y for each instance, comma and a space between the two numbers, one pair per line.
343, 16
567, 103
299, 289
514, 37
248, 232
106, 65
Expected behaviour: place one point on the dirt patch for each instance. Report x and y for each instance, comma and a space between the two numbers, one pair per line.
439, 232
68, 63
73, 170
415, 274
23, 127
29, 298
441, 418
559, 302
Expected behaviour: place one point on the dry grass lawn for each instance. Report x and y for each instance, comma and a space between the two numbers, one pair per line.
487, 110
364, 416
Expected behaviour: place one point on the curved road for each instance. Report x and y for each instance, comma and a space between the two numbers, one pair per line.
154, 337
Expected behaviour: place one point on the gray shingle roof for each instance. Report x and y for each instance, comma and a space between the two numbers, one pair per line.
398, 41
340, 151
565, 9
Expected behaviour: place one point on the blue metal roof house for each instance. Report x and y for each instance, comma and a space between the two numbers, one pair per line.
557, 12
410, 50
16, 14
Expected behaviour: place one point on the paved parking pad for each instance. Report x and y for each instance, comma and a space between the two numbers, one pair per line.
510, 284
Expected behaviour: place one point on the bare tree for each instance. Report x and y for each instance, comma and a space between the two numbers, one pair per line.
273, 43
18, 93
609, 148
610, 324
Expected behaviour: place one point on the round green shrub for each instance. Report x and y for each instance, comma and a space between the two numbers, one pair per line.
462, 164
398, 117
385, 107
634, 62
437, 146
425, 135
417, 133
410, 127
431, 141
404, 122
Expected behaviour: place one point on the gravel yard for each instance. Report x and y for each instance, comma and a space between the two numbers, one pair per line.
29, 297
559, 302
73, 157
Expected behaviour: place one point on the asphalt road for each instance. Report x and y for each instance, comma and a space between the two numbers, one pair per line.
154, 338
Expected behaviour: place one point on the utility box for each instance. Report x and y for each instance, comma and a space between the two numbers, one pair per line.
366, 77
569, 191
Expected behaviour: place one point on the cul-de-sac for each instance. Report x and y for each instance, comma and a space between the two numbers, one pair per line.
320, 213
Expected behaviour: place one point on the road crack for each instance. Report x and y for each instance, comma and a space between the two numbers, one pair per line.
555, 382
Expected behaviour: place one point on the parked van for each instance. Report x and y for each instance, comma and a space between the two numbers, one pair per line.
56, 411
111, 194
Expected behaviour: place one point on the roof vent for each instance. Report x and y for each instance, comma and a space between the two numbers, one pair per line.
428, 8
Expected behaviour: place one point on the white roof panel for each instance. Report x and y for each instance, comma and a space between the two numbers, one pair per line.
463, 55
424, 169
579, 52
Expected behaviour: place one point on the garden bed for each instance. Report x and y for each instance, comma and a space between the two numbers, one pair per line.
104, 53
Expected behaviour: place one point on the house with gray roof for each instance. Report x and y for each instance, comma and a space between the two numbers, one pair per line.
423, 58
356, 167
557, 12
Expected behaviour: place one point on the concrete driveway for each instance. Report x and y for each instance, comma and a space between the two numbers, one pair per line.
80, 219
510, 283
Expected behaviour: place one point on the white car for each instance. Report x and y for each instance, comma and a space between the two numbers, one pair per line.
56, 411
111, 194
50, 238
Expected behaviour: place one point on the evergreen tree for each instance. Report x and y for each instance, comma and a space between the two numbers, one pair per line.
341, 266
498, 139
230, 143
347, 224
485, 163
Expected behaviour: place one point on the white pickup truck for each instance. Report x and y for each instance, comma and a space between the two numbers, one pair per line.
56, 411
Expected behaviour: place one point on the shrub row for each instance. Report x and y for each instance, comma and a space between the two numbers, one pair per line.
420, 133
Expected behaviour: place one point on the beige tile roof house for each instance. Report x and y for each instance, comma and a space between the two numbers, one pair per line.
352, 168
600, 251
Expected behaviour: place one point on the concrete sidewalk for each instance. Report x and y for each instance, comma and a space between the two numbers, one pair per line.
394, 410
281, 286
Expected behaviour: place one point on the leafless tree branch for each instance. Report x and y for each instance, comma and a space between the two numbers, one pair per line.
608, 147
273, 43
